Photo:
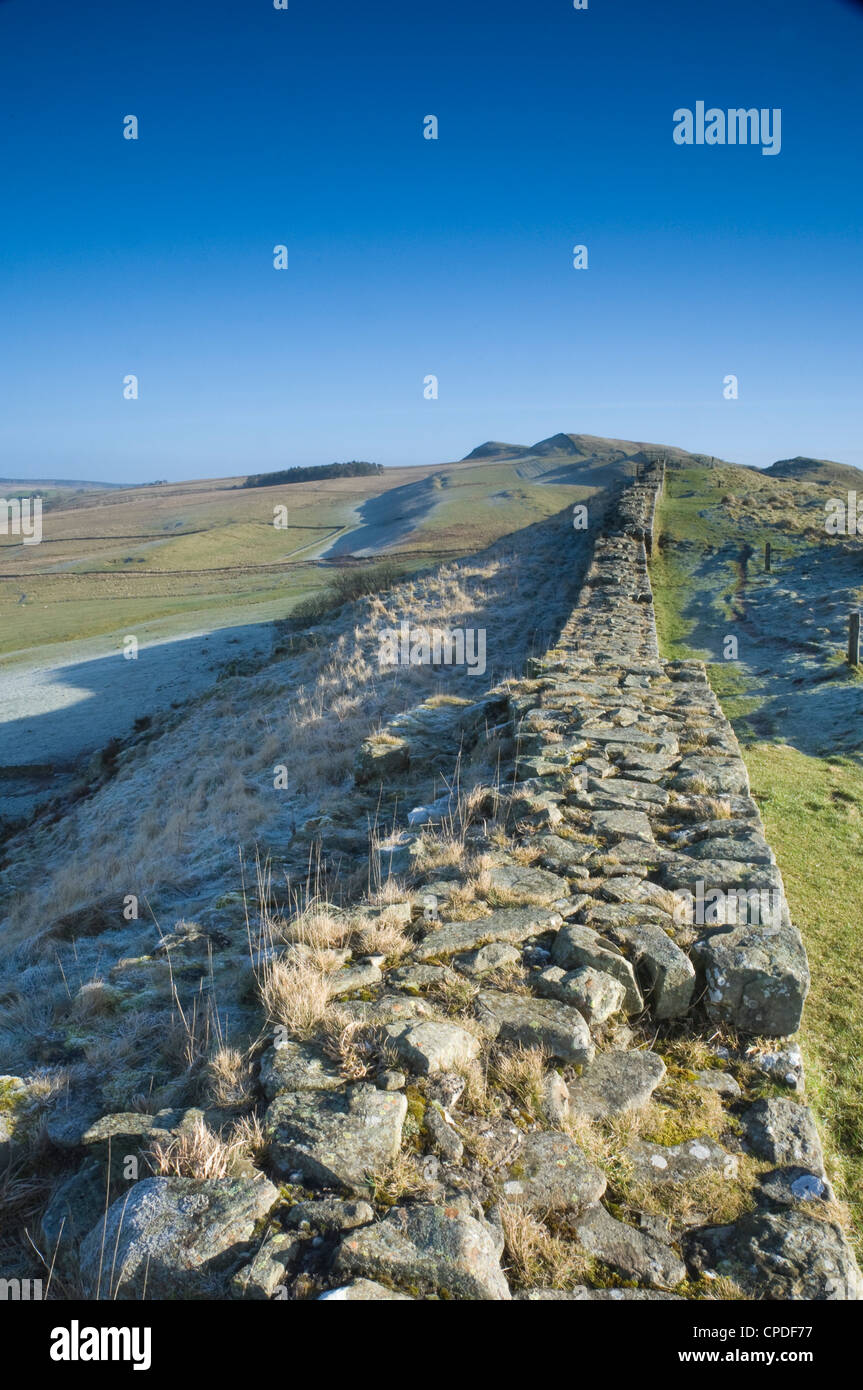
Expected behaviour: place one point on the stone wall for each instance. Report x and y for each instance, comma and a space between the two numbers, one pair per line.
566, 1069
654, 896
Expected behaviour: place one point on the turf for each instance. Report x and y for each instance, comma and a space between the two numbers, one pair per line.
812, 806
192, 556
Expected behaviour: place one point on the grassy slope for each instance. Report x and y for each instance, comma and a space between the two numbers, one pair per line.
812, 809
813, 814
184, 556
206, 554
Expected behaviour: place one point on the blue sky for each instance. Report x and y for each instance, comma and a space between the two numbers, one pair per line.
410, 257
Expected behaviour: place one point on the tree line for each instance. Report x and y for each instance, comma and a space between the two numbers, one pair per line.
356, 468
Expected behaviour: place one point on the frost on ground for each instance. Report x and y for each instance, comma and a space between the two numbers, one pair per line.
457, 1017
166, 826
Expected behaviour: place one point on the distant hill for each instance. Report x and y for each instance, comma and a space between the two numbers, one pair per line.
558, 445
589, 447
494, 449
79, 484
817, 471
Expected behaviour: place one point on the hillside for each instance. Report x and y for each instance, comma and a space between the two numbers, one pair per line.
446, 1024
817, 471
797, 709
594, 448
27, 485
494, 449
197, 573
288, 837
182, 557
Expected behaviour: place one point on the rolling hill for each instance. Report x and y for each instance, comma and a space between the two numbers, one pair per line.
817, 471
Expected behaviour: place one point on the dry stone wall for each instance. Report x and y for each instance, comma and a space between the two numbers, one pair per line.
568, 1070
654, 897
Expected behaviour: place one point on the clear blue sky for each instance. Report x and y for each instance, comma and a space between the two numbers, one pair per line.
408, 256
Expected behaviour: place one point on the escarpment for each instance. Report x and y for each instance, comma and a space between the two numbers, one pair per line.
549, 1056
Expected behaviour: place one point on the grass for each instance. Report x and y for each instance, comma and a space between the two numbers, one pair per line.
812, 806
729, 683
708, 520
536, 1257
228, 1078
521, 1071
813, 813
296, 995
354, 1045
157, 1042
310, 713
345, 587
400, 1180
682, 1110
198, 1153
383, 936
153, 560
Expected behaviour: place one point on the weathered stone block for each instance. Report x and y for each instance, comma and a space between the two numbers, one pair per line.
756, 978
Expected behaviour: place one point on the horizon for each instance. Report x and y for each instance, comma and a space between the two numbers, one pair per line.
411, 257
444, 463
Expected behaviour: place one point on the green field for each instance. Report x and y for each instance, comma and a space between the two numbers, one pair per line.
187, 556
813, 814
811, 803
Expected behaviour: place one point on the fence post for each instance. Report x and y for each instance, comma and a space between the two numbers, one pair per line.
767, 554
854, 639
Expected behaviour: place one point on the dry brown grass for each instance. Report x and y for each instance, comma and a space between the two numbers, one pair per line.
23, 1195
95, 999
479, 1096
295, 993
481, 802
708, 1199
494, 895
513, 978
318, 928
228, 1078
454, 996
511, 897
444, 850
525, 854
723, 1290
392, 890
397, 1181
309, 709
602, 1143
249, 1133
384, 936
196, 1153
534, 1257
690, 1051
191, 1035
354, 1045
521, 1071
464, 904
